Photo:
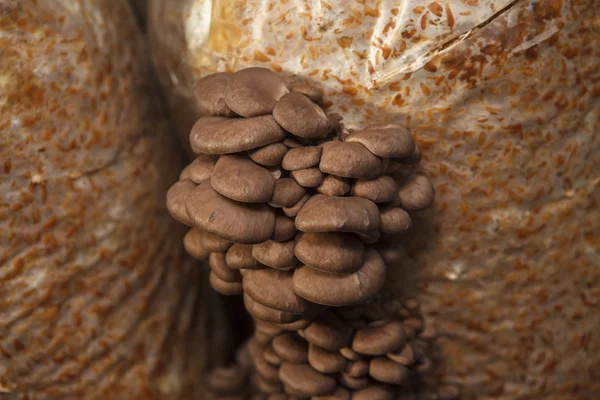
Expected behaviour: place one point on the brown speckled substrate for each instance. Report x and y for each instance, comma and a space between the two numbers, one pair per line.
507, 117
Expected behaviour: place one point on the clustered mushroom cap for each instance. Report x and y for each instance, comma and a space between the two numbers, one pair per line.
416, 193
201, 168
219, 267
254, 91
393, 141
193, 244
349, 160
286, 193
285, 229
278, 255
379, 190
270, 155
302, 158
330, 252
239, 178
265, 313
272, 288
213, 243
297, 114
379, 339
324, 360
395, 220
224, 287
177, 196
210, 95
328, 332
308, 178
386, 370
239, 256
304, 380
291, 347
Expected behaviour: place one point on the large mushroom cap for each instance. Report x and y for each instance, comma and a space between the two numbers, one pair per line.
416, 193
192, 242
275, 254
218, 265
254, 91
298, 115
342, 290
239, 256
301, 158
224, 287
219, 135
349, 160
201, 168
305, 380
333, 186
269, 314
325, 361
273, 288
177, 196
291, 347
328, 331
286, 193
239, 178
379, 190
285, 229
270, 155
385, 370
210, 95
341, 214
392, 141
236, 222
395, 220
330, 252
379, 339
309, 177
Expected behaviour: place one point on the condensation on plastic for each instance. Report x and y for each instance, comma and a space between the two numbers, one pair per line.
97, 299
502, 97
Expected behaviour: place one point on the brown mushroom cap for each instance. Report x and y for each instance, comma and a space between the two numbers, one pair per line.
177, 196
328, 331
214, 244
201, 168
379, 190
341, 393
395, 220
350, 354
385, 370
219, 267
392, 253
407, 356
223, 287
372, 392
193, 244
302, 157
236, 222
392, 167
307, 89
341, 214
350, 312
354, 383
333, 186
254, 91
273, 288
286, 193
267, 386
298, 115
269, 314
296, 325
416, 193
266, 370
392, 141
210, 94
349, 160
275, 254
239, 256
342, 290
291, 347
369, 237
270, 155
219, 135
226, 380
379, 339
358, 368
239, 178
292, 143
295, 209
305, 380
309, 177
285, 229
325, 361
330, 252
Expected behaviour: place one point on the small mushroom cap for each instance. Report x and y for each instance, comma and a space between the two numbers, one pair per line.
342, 290
298, 115
304, 379
349, 160
291, 347
275, 254
285, 229
379, 190
296, 325
329, 332
214, 244
286, 193
219, 135
325, 361
302, 158
341, 214
407, 356
270, 155
292, 143
236, 222
356, 369
185, 173
392, 141
254, 91
395, 220
341, 393
354, 383
210, 95
266, 370
201, 168
416, 193
239, 178
369, 237
226, 380
264, 313
273, 288
372, 392
385, 370
177, 196
193, 244
271, 387
295, 209
239, 256
333, 186
271, 357
309, 177
223, 287
350, 354
307, 89
219, 267
379, 339
330, 252
267, 328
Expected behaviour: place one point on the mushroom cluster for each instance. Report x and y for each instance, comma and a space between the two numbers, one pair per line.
295, 212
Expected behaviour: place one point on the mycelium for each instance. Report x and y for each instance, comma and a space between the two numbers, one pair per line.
298, 214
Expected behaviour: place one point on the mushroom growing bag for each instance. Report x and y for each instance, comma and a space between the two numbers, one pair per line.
97, 299
502, 98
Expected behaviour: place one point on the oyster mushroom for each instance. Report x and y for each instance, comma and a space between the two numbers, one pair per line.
309, 177
385, 370
270, 155
379, 190
333, 186
275, 254
302, 378
239, 178
379, 338
239, 256
210, 95
349, 160
324, 360
193, 244
330, 251
302, 158
291, 347
392, 141
177, 196
328, 332
416, 193
298, 115
286, 193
